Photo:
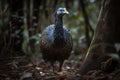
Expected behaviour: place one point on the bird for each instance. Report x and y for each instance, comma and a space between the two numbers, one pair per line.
56, 41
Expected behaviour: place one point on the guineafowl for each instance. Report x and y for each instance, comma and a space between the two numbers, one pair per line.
56, 41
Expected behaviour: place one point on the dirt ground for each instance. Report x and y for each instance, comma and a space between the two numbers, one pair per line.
19, 69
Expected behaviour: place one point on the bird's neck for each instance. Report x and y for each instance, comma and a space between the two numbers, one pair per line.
58, 23
59, 32
58, 27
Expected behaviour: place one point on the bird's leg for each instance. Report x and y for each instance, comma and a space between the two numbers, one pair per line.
52, 64
60, 67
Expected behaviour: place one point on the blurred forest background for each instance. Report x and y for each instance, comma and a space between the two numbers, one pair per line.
21, 24
22, 21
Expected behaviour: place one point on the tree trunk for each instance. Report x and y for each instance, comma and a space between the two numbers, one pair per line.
106, 36
87, 24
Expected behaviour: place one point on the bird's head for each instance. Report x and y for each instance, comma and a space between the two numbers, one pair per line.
61, 11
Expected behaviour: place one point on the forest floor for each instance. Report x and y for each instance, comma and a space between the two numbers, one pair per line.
19, 69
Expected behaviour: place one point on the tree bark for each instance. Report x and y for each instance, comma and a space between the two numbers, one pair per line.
106, 36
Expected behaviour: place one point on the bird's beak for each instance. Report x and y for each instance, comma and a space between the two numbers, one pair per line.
66, 12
